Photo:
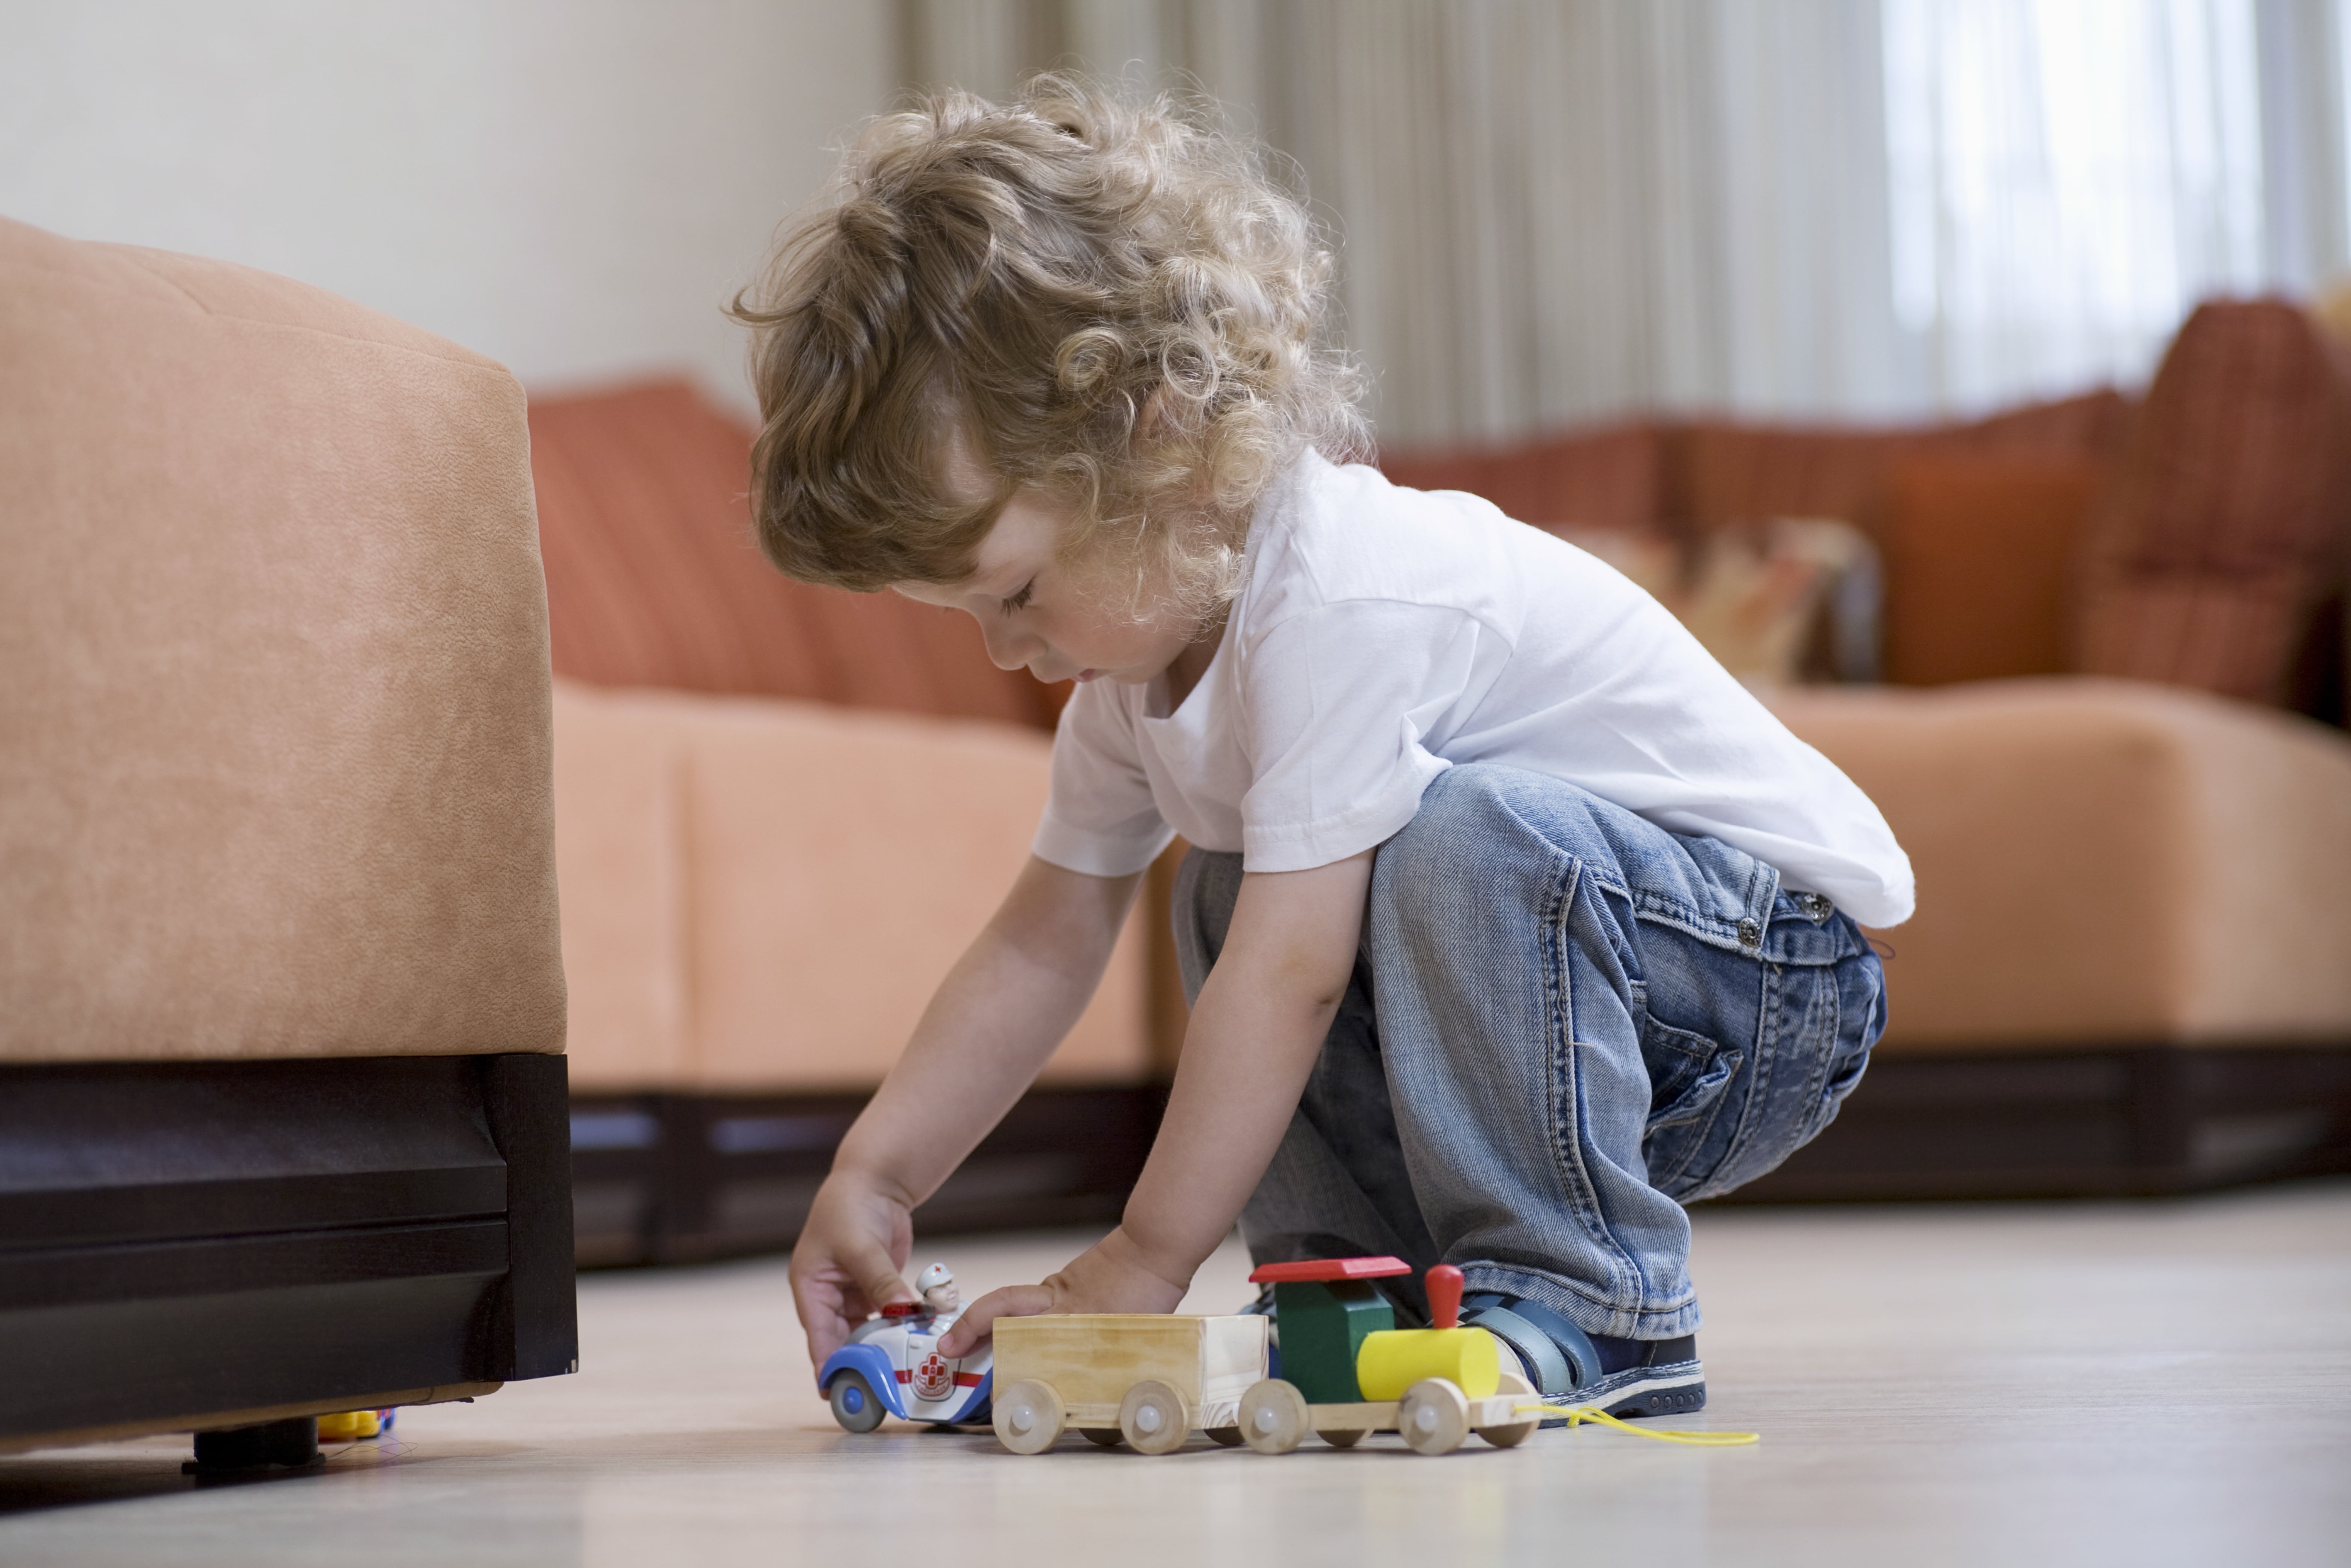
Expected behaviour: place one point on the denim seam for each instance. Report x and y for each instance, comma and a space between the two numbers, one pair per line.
1828, 991
1751, 1114
1567, 1086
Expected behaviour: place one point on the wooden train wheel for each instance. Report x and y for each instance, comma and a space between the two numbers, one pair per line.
1433, 1417
1028, 1416
1152, 1418
1516, 1432
1273, 1416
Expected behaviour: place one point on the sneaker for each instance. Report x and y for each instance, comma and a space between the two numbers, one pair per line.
1576, 1371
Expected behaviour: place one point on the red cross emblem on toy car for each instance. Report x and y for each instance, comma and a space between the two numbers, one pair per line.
932, 1378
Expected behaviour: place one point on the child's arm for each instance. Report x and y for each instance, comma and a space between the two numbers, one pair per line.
1253, 1038
989, 1028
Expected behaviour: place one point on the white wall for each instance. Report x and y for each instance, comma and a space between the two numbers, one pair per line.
573, 187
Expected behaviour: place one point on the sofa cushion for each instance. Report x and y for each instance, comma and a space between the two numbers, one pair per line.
1977, 553
274, 776
653, 579
1727, 472
2232, 521
2103, 862
619, 857
761, 896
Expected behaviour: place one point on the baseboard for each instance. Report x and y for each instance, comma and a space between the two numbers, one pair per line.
2073, 1123
181, 1242
668, 1178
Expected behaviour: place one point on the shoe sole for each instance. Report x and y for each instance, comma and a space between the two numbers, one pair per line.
1674, 1389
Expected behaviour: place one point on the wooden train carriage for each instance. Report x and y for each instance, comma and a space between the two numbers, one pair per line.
1148, 1380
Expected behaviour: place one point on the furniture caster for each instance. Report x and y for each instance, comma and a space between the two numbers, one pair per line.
291, 1444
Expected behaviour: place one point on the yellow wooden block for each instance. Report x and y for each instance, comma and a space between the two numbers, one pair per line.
1393, 1360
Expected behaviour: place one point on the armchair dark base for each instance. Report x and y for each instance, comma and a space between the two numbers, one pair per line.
191, 1246
2119, 1123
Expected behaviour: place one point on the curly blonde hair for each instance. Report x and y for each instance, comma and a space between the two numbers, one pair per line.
1114, 300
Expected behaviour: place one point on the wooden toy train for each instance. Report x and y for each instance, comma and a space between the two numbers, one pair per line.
1150, 1381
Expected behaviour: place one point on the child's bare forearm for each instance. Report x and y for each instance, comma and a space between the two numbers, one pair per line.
989, 1027
1254, 1033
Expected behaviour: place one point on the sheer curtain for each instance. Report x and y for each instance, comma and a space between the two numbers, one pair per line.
1555, 211
2067, 180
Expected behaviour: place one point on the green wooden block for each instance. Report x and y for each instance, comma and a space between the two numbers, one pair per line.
1323, 1326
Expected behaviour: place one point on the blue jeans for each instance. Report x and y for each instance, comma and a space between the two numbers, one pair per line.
1565, 1022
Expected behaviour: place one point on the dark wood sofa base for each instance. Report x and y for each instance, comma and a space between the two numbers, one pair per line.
2117, 1123
197, 1245
663, 1179
677, 1178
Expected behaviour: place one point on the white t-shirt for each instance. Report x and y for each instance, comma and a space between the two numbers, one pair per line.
1385, 634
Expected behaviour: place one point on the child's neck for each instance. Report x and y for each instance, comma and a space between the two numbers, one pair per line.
1183, 672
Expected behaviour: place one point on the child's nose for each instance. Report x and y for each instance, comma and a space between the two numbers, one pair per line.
1008, 647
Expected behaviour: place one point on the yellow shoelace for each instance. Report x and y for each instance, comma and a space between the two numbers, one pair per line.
1689, 1439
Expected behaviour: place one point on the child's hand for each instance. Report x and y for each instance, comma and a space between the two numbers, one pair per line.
845, 1264
1108, 1277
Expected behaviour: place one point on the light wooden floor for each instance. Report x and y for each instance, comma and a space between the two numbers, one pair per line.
2112, 1383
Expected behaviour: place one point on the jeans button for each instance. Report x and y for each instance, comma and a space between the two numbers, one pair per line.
1751, 935
1817, 907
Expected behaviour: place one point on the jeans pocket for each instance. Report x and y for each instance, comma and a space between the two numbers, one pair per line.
1688, 1073
1689, 1077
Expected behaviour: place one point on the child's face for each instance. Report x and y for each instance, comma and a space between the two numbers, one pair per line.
1034, 610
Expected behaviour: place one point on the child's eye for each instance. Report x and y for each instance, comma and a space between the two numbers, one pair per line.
1020, 600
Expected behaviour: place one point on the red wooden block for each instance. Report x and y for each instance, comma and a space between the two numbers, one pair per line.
1321, 1270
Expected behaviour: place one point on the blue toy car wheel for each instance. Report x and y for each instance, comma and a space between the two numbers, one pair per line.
854, 1404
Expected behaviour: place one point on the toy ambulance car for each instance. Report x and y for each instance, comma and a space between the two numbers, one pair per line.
892, 1365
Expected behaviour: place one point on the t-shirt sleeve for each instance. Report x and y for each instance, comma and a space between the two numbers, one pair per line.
1340, 703
1100, 818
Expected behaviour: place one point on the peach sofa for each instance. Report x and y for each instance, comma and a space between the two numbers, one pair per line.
281, 1082
2127, 974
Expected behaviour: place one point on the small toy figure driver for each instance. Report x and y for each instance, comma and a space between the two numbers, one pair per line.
939, 1288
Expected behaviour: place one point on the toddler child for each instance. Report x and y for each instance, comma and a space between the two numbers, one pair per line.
1511, 923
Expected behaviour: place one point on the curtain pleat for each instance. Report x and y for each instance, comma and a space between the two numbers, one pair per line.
1550, 212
